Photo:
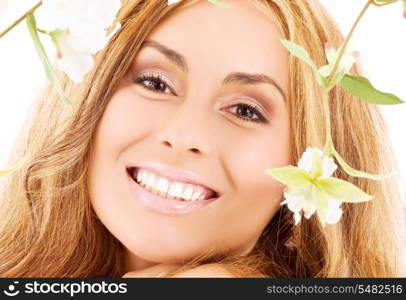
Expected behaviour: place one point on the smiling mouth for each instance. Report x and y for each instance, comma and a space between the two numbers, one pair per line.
170, 189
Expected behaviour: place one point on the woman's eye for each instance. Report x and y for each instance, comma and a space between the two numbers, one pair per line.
154, 83
247, 112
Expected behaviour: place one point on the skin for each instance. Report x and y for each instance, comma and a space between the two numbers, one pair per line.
192, 122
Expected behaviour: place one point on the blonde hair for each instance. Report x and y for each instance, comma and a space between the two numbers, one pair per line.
49, 228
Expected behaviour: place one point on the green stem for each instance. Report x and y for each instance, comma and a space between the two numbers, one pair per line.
347, 39
329, 145
18, 21
383, 4
49, 71
42, 31
326, 107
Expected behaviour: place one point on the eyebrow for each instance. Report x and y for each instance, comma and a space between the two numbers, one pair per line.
234, 77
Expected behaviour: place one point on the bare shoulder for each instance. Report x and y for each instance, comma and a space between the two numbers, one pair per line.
206, 271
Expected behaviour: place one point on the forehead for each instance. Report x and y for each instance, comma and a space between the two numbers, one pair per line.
239, 38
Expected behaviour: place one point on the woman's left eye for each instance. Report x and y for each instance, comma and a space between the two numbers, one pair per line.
247, 112
154, 83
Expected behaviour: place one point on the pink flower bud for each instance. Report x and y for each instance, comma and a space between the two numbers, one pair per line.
404, 9
356, 54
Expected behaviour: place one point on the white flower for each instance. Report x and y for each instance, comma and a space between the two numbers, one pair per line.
79, 31
296, 202
311, 188
75, 52
349, 57
295, 198
313, 156
3, 5
82, 17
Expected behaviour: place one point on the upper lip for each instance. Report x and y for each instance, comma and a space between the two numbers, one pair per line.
174, 174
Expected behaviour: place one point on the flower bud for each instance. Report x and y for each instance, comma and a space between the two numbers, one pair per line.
404, 9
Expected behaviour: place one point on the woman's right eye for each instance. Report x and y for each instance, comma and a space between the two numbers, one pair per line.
154, 83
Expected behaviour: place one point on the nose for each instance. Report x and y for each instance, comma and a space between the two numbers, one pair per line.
186, 132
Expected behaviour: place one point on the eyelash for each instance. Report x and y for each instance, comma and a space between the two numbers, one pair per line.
157, 79
260, 118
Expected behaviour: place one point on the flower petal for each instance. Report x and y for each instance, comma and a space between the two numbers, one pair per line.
351, 47
334, 211
309, 213
331, 53
321, 203
295, 203
306, 160
74, 63
326, 70
3, 5
317, 163
297, 217
94, 42
346, 63
309, 204
78, 14
329, 167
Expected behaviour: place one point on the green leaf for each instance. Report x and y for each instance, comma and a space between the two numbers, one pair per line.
356, 173
220, 3
363, 89
12, 169
299, 52
302, 54
343, 191
291, 176
32, 28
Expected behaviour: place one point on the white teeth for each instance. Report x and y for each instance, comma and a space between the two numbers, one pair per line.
198, 194
144, 177
138, 175
162, 185
151, 179
187, 193
176, 189
165, 188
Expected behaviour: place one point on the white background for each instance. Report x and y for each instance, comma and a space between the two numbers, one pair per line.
380, 38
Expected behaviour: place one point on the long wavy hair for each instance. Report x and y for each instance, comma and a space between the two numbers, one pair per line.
48, 227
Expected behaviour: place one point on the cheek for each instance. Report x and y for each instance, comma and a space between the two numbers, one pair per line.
124, 121
256, 195
250, 154
249, 164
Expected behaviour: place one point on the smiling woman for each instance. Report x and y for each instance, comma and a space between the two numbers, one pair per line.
176, 142
158, 170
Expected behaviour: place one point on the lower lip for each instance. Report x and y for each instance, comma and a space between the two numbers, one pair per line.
165, 205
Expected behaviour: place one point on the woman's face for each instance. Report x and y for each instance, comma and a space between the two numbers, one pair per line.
203, 107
